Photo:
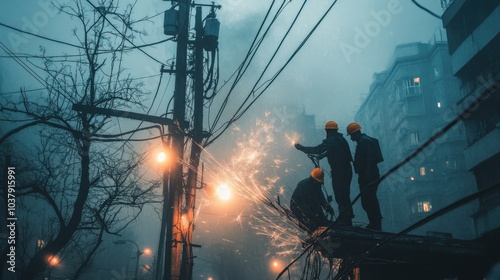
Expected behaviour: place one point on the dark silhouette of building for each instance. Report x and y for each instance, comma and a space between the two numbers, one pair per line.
406, 105
474, 42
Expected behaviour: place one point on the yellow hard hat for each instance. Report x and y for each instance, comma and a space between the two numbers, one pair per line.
331, 125
318, 174
353, 127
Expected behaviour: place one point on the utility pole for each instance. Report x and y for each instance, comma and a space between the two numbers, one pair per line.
196, 142
179, 223
174, 234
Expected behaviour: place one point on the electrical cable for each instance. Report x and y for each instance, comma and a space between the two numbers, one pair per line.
463, 115
123, 35
425, 9
23, 65
252, 91
100, 83
42, 37
239, 70
239, 114
420, 223
102, 52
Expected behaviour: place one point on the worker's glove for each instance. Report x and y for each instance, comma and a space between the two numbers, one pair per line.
299, 147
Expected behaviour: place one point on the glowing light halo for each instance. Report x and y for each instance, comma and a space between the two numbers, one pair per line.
161, 157
223, 192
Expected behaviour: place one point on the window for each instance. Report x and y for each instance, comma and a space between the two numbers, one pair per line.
422, 171
411, 86
421, 206
424, 206
436, 72
451, 164
439, 104
414, 140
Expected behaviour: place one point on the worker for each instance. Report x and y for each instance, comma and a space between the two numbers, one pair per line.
308, 202
339, 157
366, 158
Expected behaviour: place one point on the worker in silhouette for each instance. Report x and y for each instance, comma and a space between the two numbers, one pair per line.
308, 202
366, 158
337, 151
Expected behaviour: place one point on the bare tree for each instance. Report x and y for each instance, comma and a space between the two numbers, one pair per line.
90, 187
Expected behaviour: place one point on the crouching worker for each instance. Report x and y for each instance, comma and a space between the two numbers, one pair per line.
308, 202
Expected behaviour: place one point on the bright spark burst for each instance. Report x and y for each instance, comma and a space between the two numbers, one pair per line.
254, 175
293, 138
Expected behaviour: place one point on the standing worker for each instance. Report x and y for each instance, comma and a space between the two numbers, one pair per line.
366, 158
337, 151
308, 202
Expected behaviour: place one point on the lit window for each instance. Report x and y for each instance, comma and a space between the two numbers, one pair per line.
424, 206
411, 86
422, 171
439, 104
412, 178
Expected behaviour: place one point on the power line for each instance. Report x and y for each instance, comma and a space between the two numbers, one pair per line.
420, 223
23, 65
463, 115
123, 35
42, 37
425, 9
82, 54
81, 85
240, 112
240, 71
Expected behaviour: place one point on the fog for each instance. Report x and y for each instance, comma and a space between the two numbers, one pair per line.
327, 79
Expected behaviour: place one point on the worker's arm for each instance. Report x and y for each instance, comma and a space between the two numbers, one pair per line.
319, 149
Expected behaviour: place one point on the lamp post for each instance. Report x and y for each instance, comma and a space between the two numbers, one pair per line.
138, 253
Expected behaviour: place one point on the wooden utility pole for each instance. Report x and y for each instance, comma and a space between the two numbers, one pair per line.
196, 148
174, 234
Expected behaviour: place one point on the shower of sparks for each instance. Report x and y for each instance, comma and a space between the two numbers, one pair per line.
253, 174
293, 138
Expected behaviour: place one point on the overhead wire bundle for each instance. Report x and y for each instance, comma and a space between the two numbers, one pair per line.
259, 88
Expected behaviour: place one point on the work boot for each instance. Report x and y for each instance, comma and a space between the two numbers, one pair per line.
374, 225
344, 221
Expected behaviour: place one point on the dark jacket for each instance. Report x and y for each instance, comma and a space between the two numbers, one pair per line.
337, 151
367, 155
309, 197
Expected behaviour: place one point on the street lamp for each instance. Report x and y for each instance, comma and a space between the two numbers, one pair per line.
52, 261
146, 251
276, 265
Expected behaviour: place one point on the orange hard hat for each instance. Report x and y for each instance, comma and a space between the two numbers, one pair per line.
353, 127
318, 174
331, 125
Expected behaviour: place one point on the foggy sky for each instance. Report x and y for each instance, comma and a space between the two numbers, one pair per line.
328, 78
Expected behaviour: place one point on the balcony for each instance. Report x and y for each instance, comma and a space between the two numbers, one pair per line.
482, 149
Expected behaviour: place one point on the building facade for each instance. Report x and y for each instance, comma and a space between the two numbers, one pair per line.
407, 104
473, 29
